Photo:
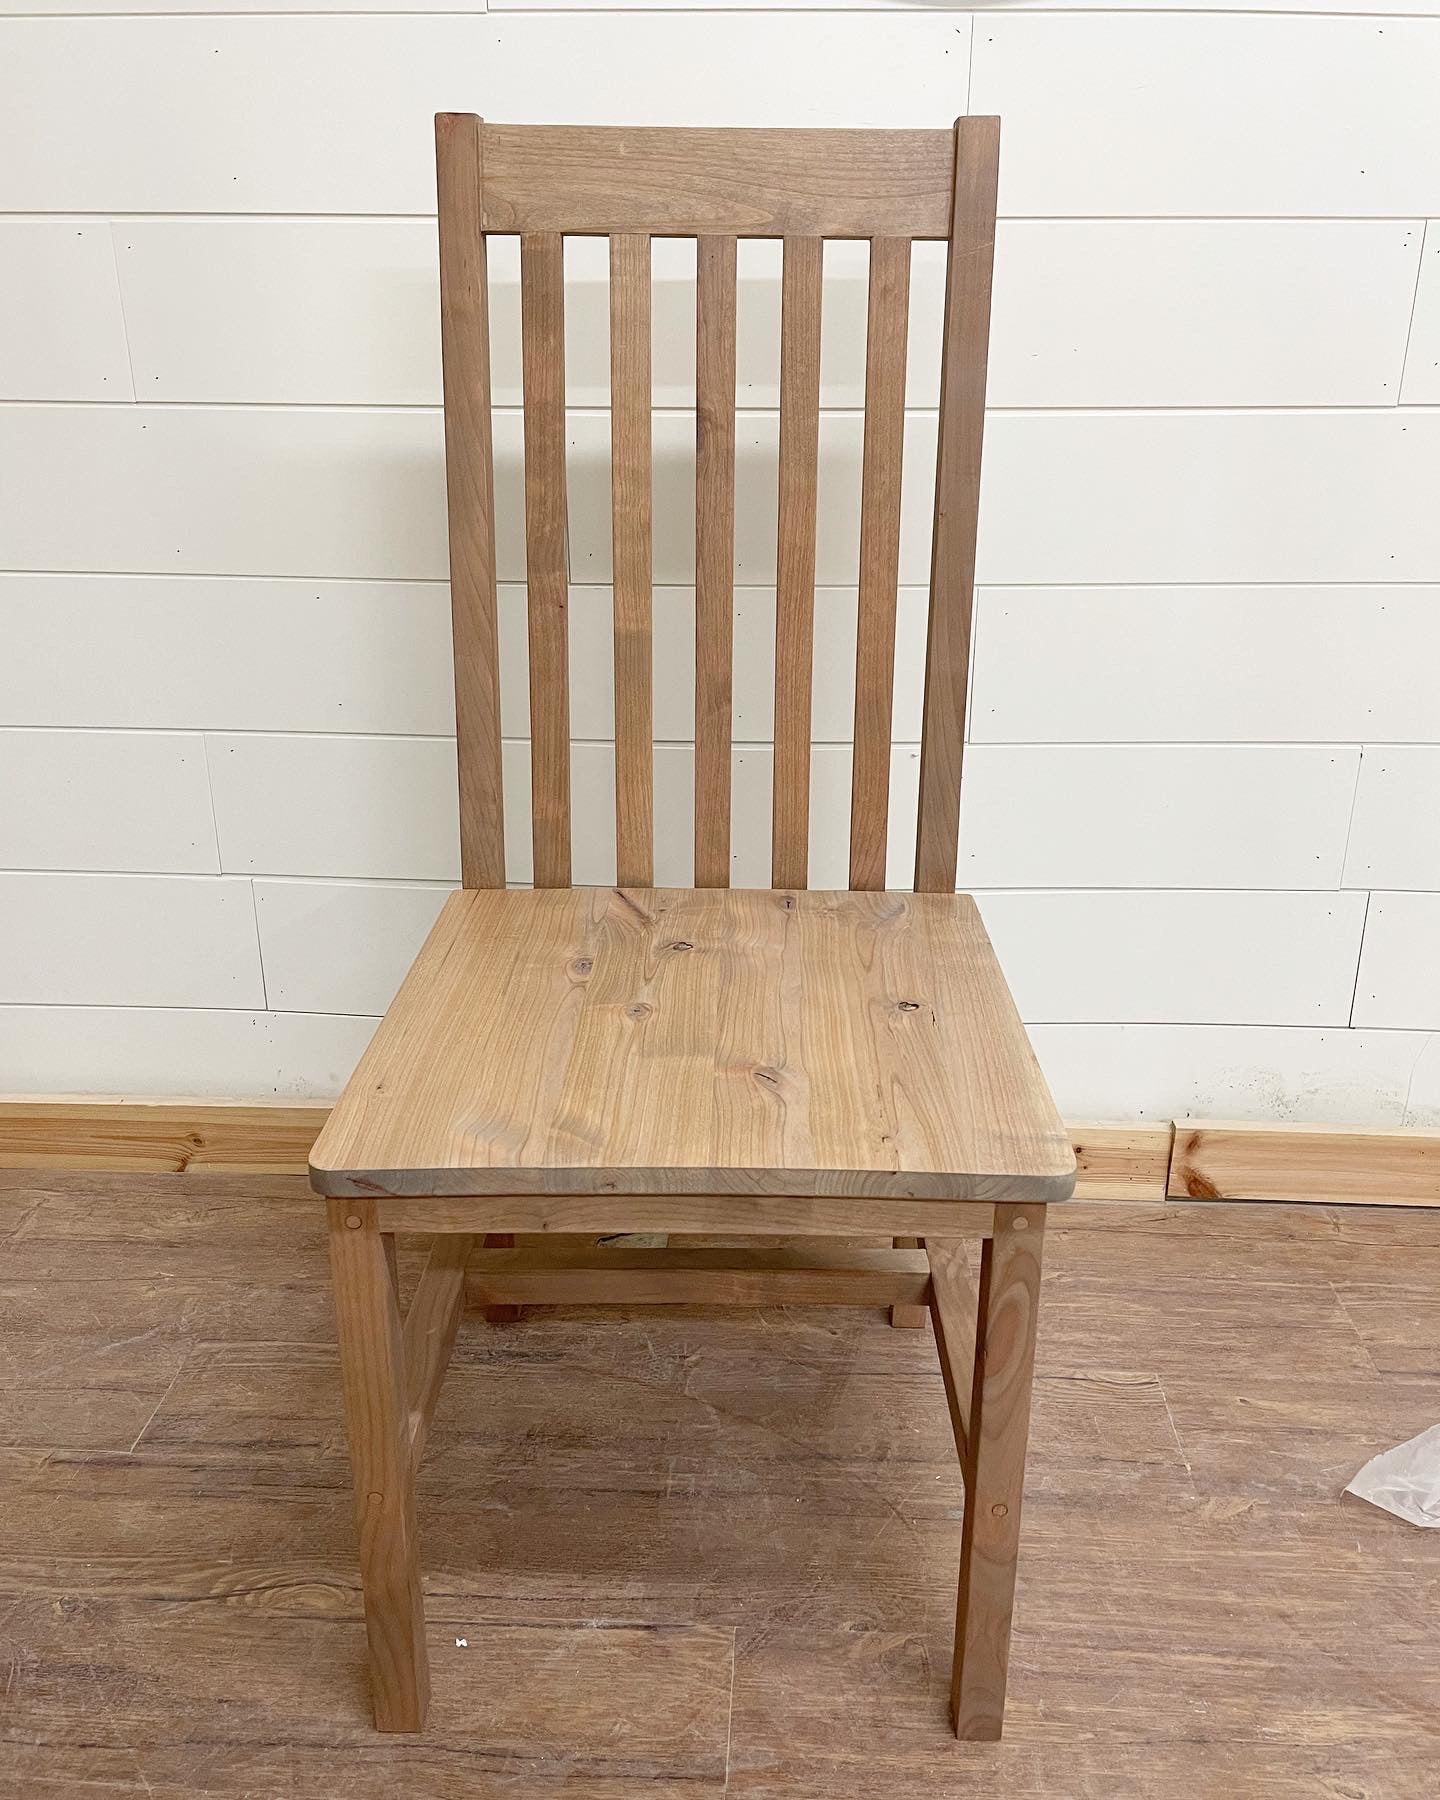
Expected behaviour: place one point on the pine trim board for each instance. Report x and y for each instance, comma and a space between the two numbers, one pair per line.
1208, 1160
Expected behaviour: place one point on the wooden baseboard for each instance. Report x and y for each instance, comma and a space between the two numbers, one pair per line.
1334, 1165
1331, 1165
160, 1136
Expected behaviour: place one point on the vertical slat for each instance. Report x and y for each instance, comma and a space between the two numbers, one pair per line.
957, 500
714, 553
630, 486
470, 484
885, 340
795, 574
542, 335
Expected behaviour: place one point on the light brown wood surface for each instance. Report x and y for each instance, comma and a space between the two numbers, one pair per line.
377, 1420
1122, 1162
72, 1131
698, 1277
1113, 1161
630, 484
702, 1041
1001, 1366
431, 1322
470, 492
886, 337
800, 296
682, 182
891, 187
1330, 1165
957, 500
714, 553
542, 336
752, 1215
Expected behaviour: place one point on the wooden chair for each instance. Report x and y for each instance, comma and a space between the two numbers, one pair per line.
702, 1060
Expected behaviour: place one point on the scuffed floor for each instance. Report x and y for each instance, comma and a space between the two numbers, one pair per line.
692, 1554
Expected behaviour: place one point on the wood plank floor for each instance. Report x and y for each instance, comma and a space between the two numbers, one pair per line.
693, 1554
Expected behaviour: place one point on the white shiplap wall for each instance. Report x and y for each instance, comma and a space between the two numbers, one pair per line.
1201, 809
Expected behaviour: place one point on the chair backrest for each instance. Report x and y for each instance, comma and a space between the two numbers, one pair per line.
544, 183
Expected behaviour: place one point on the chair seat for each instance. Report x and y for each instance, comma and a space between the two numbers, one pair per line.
700, 1041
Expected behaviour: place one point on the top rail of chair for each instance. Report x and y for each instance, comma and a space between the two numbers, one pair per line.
595, 180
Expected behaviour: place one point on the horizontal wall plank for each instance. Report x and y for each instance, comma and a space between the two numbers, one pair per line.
1156, 816
1206, 664
1399, 983
1422, 1106
105, 800
301, 310
1333, 1166
133, 489
349, 806
128, 940
160, 114
1047, 6
1094, 312
1241, 1071
196, 653
62, 333
1178, 958
340, 947
1211, 115
383, 808
1421, 386
1395, 836
160, 1050
1199, 312
1210, 496
356, 492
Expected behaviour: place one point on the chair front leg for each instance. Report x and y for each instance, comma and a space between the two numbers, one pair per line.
996, 1434
372, 1373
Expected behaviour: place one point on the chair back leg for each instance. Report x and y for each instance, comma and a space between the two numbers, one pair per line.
908, 1318
377, 1418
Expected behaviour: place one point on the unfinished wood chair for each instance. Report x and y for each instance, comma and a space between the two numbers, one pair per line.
701, 1060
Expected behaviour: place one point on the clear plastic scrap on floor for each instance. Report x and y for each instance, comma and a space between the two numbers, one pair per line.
1406, 1480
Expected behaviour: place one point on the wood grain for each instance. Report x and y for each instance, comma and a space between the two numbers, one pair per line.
714, 553
630, 486
71, 1131
470, 497
954, 1310
886, 337
996, 1430
1122, 1162
704, 1277
377, 1421
542, 332
431, 1322
957, 500
800, 295
65, 1131
700, 1041
1329, 1165
748, 1215
688, 182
